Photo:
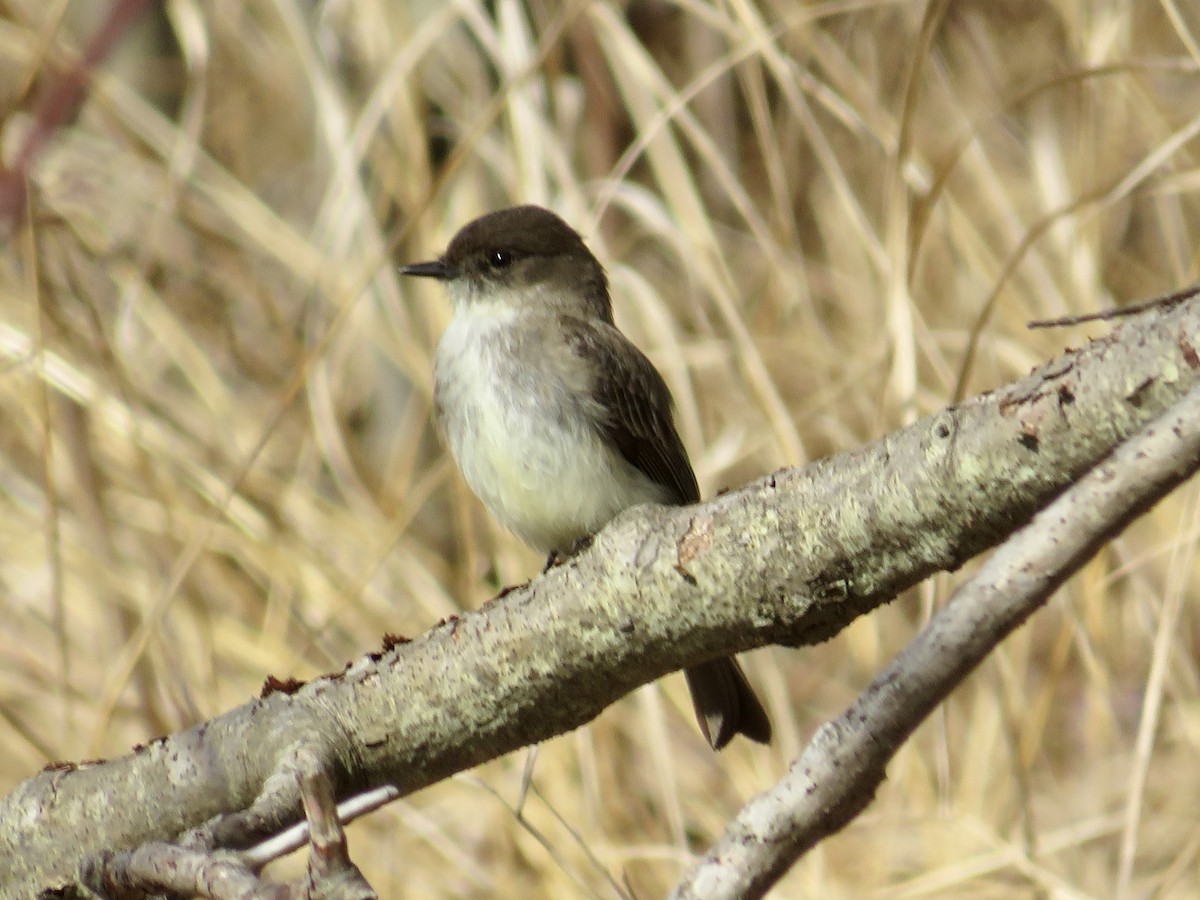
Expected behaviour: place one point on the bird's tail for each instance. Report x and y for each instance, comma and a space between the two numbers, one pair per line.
726, 704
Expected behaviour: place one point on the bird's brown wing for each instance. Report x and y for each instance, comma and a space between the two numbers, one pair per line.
636, 404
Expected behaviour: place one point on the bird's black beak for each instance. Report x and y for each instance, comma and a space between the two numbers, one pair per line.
435, 268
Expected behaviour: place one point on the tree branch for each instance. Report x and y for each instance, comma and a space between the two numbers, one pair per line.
789, 559
837, 775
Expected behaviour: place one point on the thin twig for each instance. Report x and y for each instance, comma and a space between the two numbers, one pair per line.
1119, 312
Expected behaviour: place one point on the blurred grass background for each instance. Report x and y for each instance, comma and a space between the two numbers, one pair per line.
821, 220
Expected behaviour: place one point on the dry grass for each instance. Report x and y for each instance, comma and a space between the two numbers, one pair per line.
819, 219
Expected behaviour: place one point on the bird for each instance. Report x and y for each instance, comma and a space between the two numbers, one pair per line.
556, 420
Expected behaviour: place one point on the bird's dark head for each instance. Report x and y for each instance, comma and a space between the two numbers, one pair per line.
520, 257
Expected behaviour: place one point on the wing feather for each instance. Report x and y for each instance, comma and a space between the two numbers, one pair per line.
637, 408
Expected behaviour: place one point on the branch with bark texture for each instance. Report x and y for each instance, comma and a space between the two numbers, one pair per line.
837, 775
790, 559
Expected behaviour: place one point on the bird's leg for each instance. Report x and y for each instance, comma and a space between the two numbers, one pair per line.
580, 545
557, 558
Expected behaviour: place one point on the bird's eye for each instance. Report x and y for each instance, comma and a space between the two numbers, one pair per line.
499, 259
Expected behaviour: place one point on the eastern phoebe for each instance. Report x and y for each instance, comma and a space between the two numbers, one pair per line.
555, 419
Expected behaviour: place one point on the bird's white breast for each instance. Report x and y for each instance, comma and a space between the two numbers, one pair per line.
513, 407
